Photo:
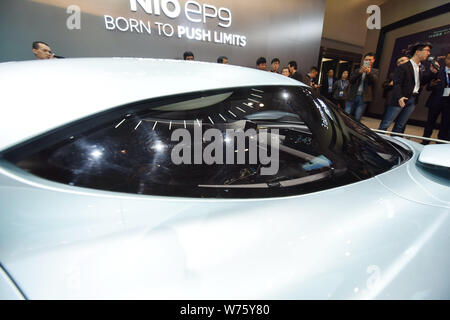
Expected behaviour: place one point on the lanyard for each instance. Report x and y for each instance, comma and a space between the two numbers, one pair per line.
342, 84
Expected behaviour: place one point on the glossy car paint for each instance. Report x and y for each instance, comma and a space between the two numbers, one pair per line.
381, 238
61, 91
436, 155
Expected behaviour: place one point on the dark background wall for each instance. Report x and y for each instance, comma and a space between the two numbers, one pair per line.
288, 29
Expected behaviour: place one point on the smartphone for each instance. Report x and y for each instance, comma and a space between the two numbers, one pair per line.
366, 64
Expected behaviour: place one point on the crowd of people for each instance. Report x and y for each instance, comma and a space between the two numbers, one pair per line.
401, 90
353, 92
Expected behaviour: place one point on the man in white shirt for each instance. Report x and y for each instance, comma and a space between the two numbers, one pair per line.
408, 79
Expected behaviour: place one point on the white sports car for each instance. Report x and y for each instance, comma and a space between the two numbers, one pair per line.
158, 179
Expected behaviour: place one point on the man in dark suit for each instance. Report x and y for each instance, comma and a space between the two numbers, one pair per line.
439, 103
327, 85
310, 80
292, 65
408, 79
362, 85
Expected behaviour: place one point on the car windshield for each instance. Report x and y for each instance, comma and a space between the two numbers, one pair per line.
235, 143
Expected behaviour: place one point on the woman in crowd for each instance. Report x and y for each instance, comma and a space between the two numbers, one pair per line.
340, 90
285, 72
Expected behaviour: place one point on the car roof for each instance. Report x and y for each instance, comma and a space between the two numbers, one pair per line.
41, 95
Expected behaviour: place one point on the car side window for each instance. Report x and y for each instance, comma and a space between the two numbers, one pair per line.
235, 143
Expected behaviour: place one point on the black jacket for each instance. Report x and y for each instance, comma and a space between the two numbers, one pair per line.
297, 76
387, 88
324, 87
404, 81
435, 99
310, 81
369, 84
337, 87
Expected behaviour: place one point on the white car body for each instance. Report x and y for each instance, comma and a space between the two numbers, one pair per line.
382, 238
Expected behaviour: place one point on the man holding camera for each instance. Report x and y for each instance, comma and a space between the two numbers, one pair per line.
362, 85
